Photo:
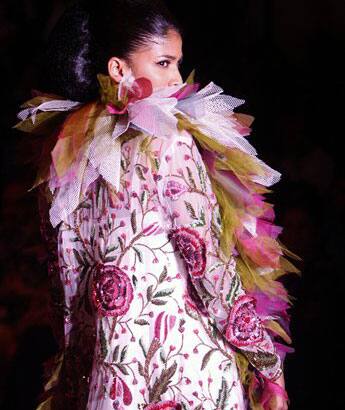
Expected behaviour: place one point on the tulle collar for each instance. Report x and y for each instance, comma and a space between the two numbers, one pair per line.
88, 143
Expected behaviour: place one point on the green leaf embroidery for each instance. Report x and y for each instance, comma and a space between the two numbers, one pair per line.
223, 395
78, 257
214, 267
141, 343
122, 246
149, 293
202, 216
164, 292
139, 172
110, 259
139, 254
116, 353
141, 369
190, 210
142, 197
206, 358
141, 322
122, 368
133, 221
163, 275
103, 342
154, 163
202, 176
123, 353
235, 284
190, 177
158, 302
111, 249
162, 356
200, 221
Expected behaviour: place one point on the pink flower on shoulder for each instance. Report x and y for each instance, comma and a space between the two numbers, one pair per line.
174, 189
138, 90
192, 247
244, 326
112, 291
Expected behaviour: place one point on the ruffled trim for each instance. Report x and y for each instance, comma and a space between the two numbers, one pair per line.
239, 181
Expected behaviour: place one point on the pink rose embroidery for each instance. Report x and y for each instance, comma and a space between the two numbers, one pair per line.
112, 291
174, 189
162, 405
192, 248
244, 325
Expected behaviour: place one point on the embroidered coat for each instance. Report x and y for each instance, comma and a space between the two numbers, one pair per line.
148, 309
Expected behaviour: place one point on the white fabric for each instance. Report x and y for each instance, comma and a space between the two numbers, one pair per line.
53, 105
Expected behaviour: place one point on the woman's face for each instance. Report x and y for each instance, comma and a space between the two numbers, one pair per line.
159, 61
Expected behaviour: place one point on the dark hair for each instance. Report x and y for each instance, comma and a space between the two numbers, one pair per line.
89, 33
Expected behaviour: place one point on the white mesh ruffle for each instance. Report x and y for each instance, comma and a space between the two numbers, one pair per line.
207, 109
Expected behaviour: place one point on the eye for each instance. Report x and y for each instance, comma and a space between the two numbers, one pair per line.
164, 61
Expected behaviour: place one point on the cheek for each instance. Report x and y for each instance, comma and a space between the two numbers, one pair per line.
153, 72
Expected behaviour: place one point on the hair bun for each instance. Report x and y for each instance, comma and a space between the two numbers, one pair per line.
68, 64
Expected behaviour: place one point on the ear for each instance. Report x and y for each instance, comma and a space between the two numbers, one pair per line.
116, 68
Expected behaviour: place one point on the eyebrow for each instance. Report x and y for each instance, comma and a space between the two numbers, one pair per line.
171, 57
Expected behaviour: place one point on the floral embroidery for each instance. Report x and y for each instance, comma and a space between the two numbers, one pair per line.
118, 245
244, 325
174, 189
192, 248
164, 405
112, 290
120, 389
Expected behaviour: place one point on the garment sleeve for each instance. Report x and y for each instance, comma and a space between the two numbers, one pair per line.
193, 223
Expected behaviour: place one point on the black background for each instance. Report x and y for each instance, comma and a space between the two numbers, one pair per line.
285, 58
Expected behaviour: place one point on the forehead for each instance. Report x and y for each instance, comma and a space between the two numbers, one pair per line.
171, 44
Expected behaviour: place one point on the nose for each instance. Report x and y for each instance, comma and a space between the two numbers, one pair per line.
176, 79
